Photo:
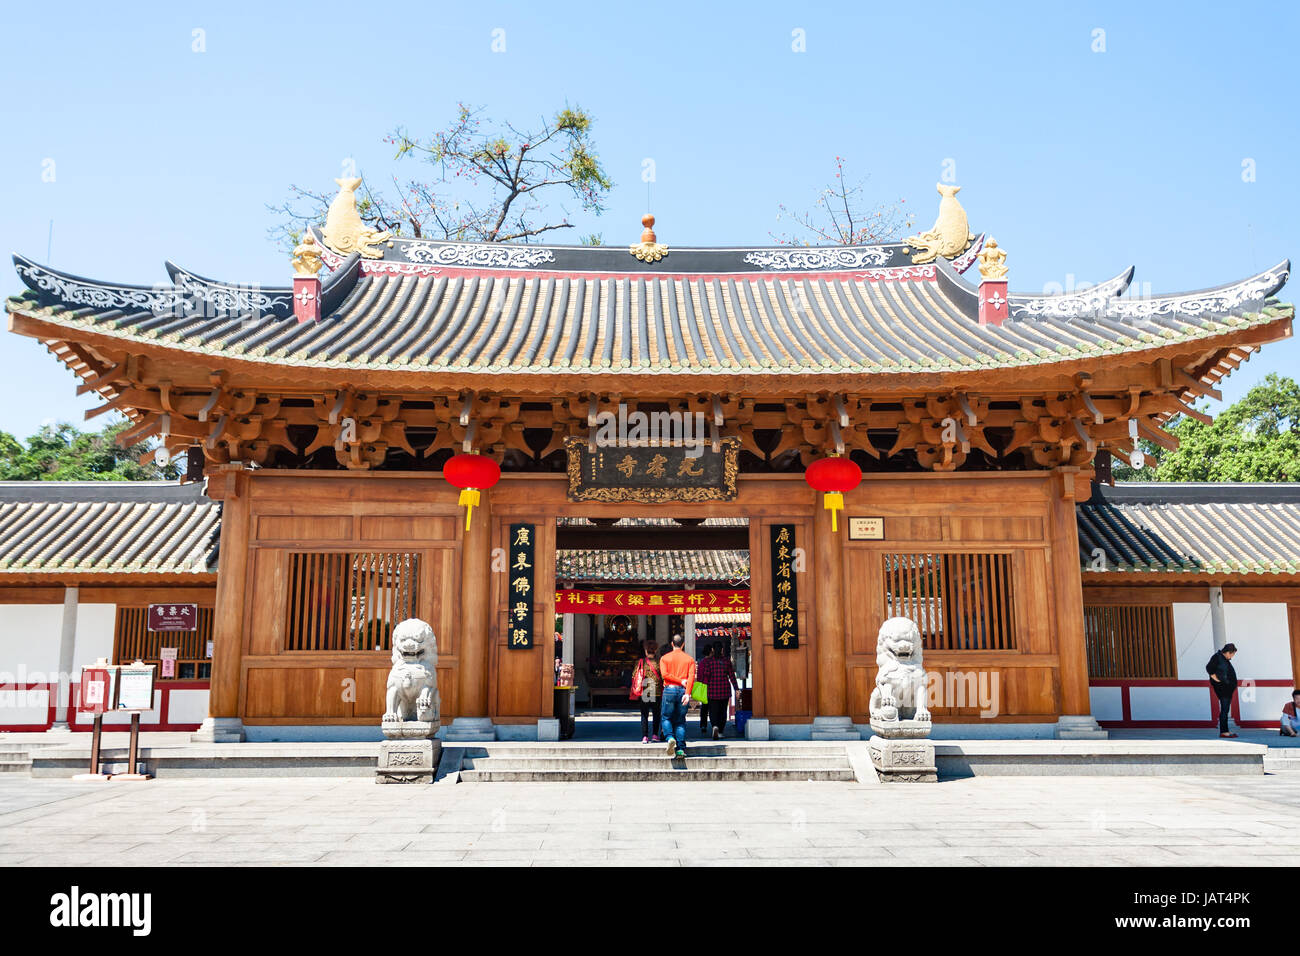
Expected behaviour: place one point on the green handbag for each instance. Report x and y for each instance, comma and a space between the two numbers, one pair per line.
700, 692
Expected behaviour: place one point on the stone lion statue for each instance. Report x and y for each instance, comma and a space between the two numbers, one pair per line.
900, 693
413, 681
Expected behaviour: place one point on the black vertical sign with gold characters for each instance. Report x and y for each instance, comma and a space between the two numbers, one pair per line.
785, 590
520, 590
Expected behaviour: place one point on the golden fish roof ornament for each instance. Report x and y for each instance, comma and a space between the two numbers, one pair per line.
344, 231
950, 234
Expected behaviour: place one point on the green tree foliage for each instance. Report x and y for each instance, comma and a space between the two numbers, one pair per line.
483, 181
1255, 439
63, 453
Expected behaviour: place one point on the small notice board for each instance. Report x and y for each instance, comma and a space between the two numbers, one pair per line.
134, 687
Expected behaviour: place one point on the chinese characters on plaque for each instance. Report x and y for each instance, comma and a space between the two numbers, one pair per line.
785, 596
519, 591
652, 472
173, 617
704, 601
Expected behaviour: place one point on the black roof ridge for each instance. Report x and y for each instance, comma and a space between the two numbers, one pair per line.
1207, 492
144, 492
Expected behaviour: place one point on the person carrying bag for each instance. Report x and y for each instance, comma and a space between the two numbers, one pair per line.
646, 684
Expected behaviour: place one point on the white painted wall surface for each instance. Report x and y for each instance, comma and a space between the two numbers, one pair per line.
1262, 703
29, 641
20, 707
1193, 639
95, 626
1106, 702
187, 706
1169, 703
1263, 642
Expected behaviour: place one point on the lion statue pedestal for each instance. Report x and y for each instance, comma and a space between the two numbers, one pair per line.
901, 750
412, 709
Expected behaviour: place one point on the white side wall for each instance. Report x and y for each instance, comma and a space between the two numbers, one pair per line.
29, 641
1262, 638
1193, 639
95, 625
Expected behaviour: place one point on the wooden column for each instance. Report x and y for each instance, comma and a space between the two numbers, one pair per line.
231, 601
831, 624
1293, 623
1067, 585
476, 612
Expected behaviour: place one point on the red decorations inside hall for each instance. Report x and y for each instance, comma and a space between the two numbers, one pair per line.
471, 474
833, 476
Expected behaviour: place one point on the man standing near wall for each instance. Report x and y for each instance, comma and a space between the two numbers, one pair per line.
1223, 681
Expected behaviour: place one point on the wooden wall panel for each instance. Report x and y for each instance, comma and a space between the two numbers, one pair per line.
298, 692
904, 527
372, 692
303, 529
407, 528
270, 587
864, 596
995, 528
1034, 607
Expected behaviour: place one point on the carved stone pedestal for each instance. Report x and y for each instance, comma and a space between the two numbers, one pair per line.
410, 760
903, 759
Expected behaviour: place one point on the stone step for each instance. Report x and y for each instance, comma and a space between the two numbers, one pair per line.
571, 750
657, 762
664, 774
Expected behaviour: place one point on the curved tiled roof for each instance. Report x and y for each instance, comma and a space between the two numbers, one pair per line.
452, 316
119, 527
1192, 528
661, 566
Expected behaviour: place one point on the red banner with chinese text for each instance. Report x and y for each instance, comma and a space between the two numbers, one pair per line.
702, 601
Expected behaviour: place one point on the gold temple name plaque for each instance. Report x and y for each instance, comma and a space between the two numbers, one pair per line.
652, 473
866, 529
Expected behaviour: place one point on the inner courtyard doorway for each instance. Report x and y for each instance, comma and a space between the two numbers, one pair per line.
624, 589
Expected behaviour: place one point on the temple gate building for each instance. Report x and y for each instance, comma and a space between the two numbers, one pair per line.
323, 415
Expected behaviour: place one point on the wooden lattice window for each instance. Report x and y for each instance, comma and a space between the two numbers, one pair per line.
1130, 641
133, 641
960, 602
349, 600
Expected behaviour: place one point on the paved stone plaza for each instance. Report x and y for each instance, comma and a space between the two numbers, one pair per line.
988, 821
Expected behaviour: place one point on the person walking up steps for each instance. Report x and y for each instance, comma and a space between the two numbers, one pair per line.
678, 671
645, 690
719, 676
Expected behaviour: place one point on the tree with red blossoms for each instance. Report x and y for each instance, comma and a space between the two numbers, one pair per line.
843, 217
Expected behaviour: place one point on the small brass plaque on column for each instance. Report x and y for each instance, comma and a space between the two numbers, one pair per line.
866, 529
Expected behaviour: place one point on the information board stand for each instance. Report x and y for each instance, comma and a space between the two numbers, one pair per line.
95, 694
134, 695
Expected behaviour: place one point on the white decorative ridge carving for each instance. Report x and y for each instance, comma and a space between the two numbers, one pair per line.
898, 273
1101, 299
490, 255
188, 296
816, 258
964, 261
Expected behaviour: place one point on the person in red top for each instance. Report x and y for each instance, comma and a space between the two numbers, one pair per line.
678, 671
1291, 716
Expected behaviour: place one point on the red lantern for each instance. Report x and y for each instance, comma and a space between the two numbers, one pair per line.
834, 476
471, 474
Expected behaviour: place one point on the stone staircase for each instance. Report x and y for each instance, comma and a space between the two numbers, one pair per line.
581, 762
15, 758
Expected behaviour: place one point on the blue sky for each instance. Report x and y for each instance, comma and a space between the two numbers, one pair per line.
1079, 162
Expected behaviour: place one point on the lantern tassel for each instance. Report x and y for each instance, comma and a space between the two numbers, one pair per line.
833, 501
469, 499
